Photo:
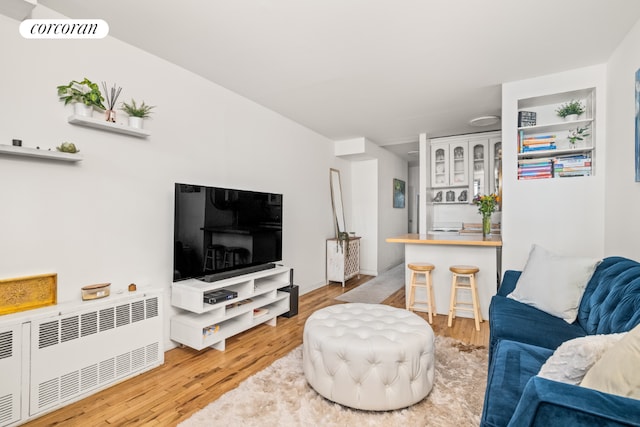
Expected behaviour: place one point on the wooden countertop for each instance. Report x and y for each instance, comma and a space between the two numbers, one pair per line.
448, 239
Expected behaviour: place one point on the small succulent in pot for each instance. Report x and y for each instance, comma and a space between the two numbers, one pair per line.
85, 92
134, 110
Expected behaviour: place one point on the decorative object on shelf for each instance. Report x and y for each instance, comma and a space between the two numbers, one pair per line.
112, 96
451, 196
398, 193
84, 94
486, 206
132, 287
577, 134
570, 110
16, 142
100, 290
526, 118
137, 113
463, 196
26, 293
438, 197
343, 241
68, 147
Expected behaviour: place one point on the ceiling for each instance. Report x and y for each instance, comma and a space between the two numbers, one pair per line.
386, 70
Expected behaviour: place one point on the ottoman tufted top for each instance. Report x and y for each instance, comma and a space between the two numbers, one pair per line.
369, 356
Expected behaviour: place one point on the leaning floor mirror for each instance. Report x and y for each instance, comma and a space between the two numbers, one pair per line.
336, 201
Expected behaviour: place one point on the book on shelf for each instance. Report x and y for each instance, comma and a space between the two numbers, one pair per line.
257, 312
210, 330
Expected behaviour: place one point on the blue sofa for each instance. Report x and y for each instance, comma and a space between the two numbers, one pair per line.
522, 338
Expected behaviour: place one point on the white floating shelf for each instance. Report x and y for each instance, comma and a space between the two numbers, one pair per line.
108, 126
43, 154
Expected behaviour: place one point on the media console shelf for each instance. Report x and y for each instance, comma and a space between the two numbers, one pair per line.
209, 325
108, 126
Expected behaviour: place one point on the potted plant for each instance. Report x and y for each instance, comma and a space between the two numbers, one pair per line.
578, 134
85, 95
570, 110
137, 113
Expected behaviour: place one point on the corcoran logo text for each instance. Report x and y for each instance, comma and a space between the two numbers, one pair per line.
64, 29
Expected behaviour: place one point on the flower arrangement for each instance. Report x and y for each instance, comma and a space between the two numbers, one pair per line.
85, 91
486, 204
569, 108
578, 134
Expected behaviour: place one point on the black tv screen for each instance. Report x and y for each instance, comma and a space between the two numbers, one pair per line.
222, 232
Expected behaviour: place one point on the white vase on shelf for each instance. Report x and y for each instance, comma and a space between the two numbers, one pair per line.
571, 117
82, 109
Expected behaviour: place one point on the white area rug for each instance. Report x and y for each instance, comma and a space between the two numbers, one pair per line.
280, 396
377, 289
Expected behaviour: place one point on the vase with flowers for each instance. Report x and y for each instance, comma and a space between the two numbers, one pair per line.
487, 205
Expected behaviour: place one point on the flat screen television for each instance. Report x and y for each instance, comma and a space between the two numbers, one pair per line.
223, 232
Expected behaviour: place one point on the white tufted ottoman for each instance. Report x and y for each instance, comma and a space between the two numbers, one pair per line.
369, 356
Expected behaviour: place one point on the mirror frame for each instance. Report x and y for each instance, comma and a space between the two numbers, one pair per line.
336, 201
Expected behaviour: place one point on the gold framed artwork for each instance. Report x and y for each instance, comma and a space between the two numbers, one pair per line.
27, 293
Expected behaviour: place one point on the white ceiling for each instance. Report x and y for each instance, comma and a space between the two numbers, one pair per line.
387, 70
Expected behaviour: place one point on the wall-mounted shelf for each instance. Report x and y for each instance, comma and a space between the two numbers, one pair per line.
108, 126
43, 154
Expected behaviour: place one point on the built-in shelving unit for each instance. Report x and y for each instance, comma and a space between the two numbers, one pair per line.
43, 154
544, 149
108, 126
204, 325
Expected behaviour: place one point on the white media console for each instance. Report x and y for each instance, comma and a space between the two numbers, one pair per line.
209, 325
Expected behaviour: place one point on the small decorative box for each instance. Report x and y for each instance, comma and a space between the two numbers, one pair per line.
99, 290
526, 118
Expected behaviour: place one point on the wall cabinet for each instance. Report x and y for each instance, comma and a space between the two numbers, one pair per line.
258, 301
343, 259
466, 166
545, 149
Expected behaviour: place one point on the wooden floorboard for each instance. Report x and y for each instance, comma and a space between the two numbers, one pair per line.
189, 379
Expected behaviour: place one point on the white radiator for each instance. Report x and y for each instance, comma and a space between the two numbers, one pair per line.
73, 353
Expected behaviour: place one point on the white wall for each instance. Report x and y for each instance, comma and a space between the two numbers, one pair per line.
564, 215
364, 221
622, 197
109, 218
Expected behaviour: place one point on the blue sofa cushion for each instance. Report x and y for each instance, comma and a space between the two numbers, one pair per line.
512, 320
512, 367
611, 301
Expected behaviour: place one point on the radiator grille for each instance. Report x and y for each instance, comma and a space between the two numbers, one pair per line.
137, 311
48, 334
106, 319
70, 328
90, 325
6, 345
6, 408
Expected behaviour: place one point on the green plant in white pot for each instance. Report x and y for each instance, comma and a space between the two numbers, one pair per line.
85, 95
137, 113
570, 110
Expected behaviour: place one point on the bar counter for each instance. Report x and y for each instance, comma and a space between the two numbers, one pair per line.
446, 249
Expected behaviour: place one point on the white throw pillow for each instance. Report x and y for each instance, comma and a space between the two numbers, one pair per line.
617, 370
571, 361
554, 283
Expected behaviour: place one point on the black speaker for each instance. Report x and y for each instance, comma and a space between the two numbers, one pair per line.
293, 291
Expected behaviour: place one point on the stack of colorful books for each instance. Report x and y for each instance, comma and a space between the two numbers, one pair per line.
537, 143
535, 168
576, 165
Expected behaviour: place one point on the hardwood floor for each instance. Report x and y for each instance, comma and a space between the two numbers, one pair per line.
189, 380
